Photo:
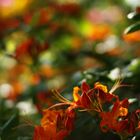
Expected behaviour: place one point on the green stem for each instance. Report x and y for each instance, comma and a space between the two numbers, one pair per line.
123, 137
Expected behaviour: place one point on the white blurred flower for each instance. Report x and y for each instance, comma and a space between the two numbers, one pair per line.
115, 74
5, 90
133, 3
7, 62
26, 108
134, 62
109, 44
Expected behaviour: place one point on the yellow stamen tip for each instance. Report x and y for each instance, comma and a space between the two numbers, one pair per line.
76, 96
123, 111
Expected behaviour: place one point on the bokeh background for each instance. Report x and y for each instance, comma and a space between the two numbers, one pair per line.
55, 44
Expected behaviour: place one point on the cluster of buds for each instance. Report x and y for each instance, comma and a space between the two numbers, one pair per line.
57, 124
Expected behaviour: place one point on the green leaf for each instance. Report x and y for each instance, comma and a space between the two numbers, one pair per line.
7, 127
132, 28
35, 19
9, 122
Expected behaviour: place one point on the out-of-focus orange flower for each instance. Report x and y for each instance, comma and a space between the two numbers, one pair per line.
76, 43
7, 24
17, 70
29, 48
10, 8
132, 37
98, 32
44, 16
117, 51
47, 71
23, 48
16, 91
55, 125
68, 8
35, 79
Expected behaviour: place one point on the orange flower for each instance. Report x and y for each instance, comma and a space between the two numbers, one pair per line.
134, 122
103, 93
55, 125
84, 100
23, 48
99, 32
119, 120
132, 37
44, 16
48, 71
8, 24
99, 86
39, 133
29, 48
89, 99
113, 120
67, 9
15, 91
11, 8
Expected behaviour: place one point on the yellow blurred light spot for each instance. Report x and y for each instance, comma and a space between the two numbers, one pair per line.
85, 28
10, 46
94, 31
13, 40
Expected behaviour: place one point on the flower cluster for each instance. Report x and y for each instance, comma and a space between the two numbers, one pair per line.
57, 124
